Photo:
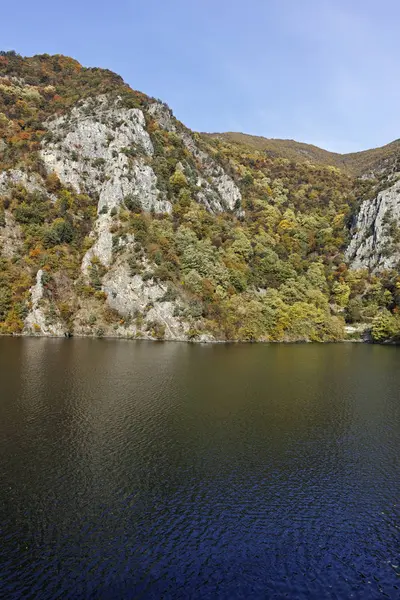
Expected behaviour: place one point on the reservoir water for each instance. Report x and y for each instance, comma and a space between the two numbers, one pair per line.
167, 470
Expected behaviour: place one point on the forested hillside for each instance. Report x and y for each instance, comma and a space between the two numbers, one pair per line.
117, 220
368, 162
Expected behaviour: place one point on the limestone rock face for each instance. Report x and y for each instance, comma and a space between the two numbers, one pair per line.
101, 147
375, 240
10, 236
37, 321
217, 191
131, 295
102, 248
30, 181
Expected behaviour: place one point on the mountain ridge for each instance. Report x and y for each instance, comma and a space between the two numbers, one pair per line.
355, 163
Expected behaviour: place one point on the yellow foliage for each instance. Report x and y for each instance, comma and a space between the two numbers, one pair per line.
285, 226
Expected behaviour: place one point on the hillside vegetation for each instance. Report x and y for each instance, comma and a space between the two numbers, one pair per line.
115, 219
367, 162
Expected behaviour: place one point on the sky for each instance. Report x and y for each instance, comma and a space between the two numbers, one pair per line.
324, 72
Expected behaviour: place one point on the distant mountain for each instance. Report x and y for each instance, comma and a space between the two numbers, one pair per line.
355, 163
117, 220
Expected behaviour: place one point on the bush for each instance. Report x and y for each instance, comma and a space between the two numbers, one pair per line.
133, 204
35, 212
60, 232
157, 330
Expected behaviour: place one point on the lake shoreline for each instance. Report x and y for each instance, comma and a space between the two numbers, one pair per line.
194, 341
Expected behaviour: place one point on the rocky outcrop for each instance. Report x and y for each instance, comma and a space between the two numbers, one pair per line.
102, 247
131, 296
10, 236
38, 320
102, 148
216, 190
30, 181
375, 242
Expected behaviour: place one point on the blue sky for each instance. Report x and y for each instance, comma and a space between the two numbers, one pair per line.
319, 71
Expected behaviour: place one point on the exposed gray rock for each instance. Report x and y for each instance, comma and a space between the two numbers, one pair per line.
163, 115
358, 332
102, 247
131, 295
37, 321
101, 147
31, 181
372, 245
10, 236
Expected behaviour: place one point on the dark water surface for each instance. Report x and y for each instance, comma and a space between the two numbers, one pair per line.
144, 470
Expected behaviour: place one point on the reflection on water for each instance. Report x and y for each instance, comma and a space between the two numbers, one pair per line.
143, 470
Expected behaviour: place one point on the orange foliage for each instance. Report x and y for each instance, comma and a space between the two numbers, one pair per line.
35, 252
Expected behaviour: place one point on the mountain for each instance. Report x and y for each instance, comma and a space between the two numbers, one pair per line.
117, 220
356, 163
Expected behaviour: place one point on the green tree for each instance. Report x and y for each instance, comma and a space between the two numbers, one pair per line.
384, 326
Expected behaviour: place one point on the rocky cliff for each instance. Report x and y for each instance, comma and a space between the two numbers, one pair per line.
375, 242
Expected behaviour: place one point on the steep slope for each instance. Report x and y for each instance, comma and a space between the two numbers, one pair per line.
103, 152
375, 242
117, 220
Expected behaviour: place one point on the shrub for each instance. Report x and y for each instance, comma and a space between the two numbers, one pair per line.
157, 330
133, 204
60, 232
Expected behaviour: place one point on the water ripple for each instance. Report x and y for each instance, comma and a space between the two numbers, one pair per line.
136, 470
